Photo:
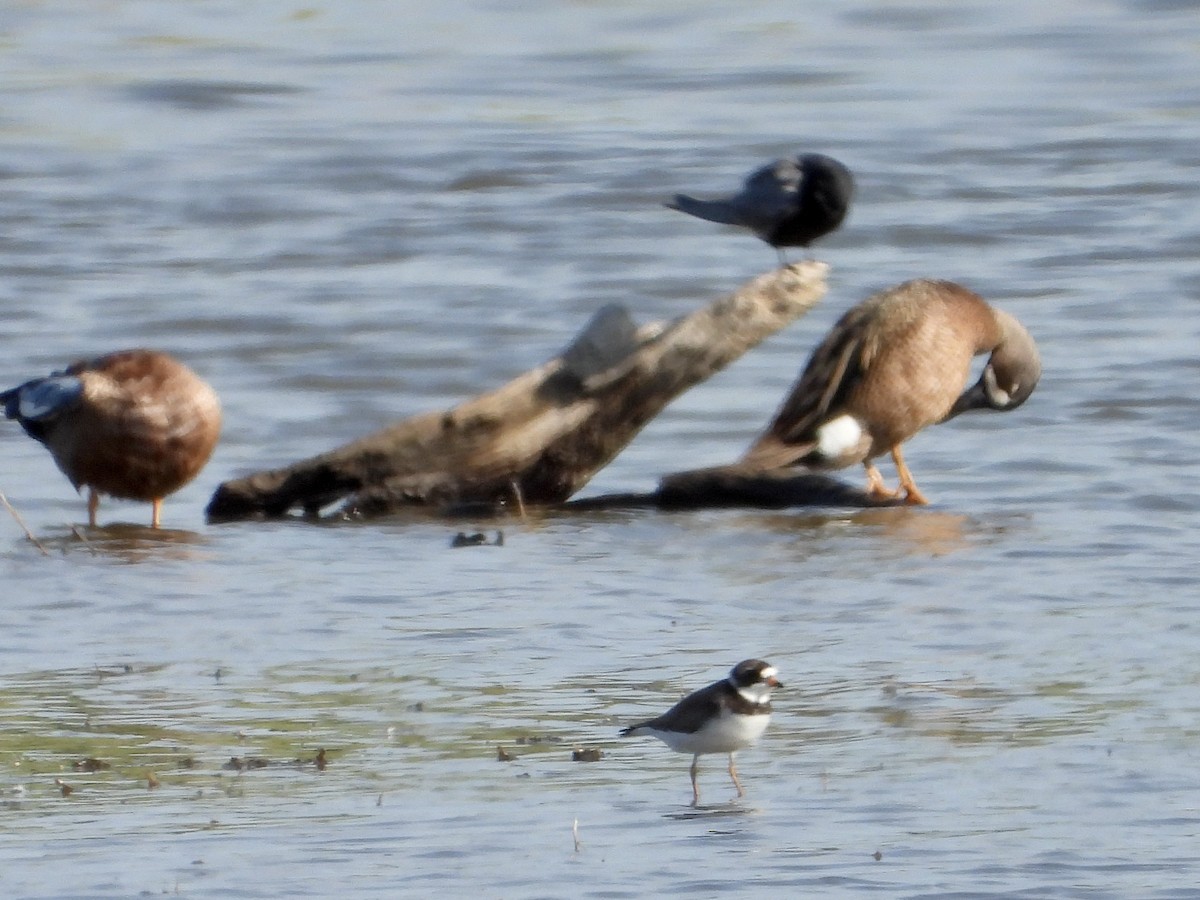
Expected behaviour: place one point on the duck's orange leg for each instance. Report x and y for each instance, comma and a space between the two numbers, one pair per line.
93, 506
911, 494
875, 485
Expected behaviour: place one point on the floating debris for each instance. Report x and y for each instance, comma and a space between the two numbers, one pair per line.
240, 764
21, 522
503, 755
90, 764
65, 788
478, 539
152, 781
540, 739
590, 754
114, 670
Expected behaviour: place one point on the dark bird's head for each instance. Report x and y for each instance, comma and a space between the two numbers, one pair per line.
1011, 373
754, 679
831, 185
810, 197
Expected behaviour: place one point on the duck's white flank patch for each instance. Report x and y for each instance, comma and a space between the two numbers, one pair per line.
837, 436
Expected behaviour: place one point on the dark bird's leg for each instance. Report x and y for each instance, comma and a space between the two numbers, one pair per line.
911, 494
156, 513
782, 257
733, 774
875, 485
695, 787
93, 506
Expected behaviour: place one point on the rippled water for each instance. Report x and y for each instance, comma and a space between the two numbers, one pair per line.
345, 214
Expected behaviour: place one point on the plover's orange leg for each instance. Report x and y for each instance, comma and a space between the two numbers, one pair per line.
695, 787
875, 485
156, 514
93, 506
911, 494
733, 774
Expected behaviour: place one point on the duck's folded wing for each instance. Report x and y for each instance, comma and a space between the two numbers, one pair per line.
769, 195
831, 373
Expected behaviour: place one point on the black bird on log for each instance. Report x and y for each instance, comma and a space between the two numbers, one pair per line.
789, 203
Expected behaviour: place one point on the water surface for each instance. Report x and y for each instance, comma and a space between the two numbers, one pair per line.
349, 213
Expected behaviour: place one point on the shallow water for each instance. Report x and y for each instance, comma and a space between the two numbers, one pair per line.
345, 214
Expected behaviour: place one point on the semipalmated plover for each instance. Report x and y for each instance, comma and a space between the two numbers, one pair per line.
724, 717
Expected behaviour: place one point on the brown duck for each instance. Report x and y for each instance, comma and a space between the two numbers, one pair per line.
137, 424
892, 365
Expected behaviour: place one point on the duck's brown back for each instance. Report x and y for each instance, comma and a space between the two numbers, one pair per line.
895, 362
145, 426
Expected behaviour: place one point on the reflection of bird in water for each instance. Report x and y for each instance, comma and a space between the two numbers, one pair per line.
892, 365
936, 534
789, 203
727, 716
136, 424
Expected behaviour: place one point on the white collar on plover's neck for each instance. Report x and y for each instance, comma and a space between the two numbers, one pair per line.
760, 691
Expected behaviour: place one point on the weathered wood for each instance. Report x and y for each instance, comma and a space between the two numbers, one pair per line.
542, 436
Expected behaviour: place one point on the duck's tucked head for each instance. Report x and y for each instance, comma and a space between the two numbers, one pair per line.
38, 403
1011, 373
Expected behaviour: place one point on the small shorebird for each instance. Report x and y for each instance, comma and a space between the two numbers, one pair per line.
727, 716
789, 203
892, 365
136, 424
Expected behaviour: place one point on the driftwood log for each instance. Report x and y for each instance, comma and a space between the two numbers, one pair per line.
541, 437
